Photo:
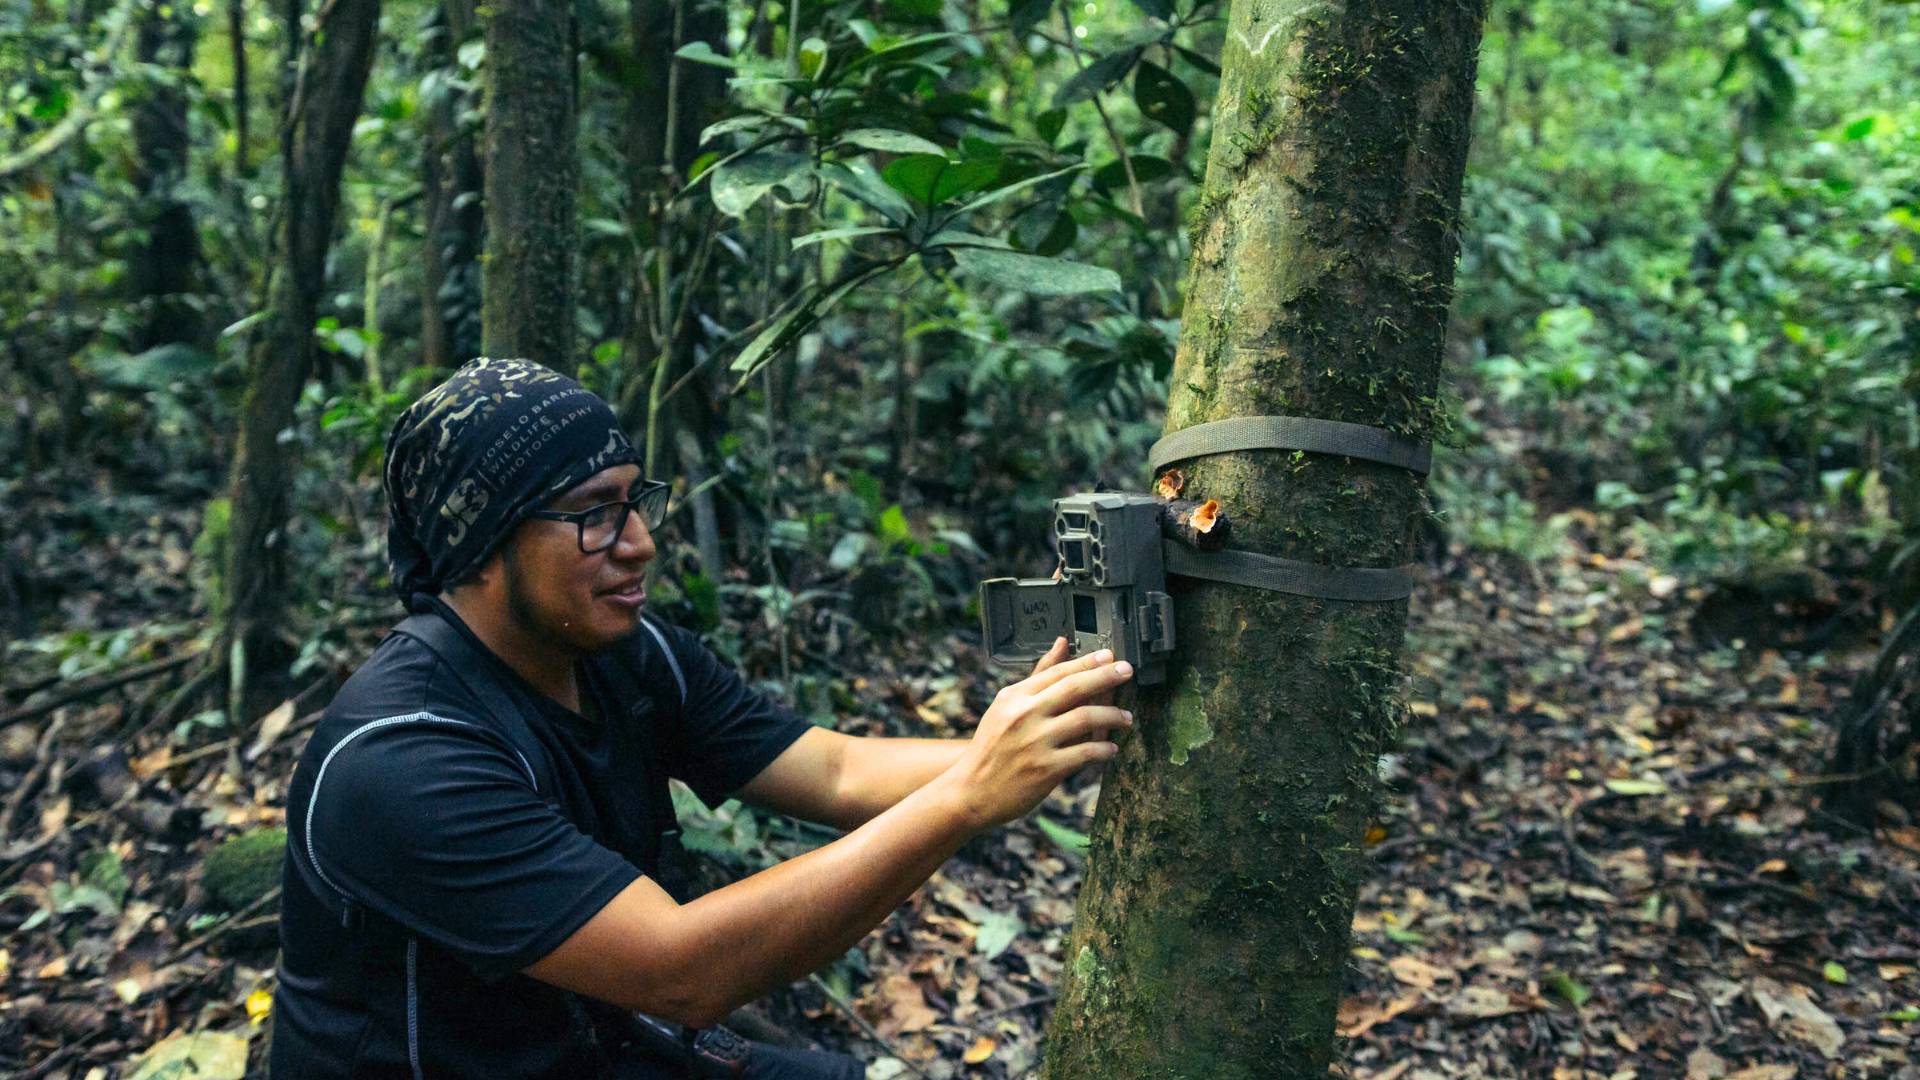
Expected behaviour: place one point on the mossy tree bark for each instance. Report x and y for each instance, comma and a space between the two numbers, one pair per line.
531, 174
322, 107
163, 267
451, 184
1213, 923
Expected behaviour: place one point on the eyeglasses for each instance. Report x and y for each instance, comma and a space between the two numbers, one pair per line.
600, 526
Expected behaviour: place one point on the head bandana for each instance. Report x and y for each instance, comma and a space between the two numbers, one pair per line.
474, 454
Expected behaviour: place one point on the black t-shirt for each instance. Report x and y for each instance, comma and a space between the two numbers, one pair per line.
436, 848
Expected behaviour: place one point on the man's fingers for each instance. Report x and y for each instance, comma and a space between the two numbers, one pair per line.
1042, 680
1076, 725
1075, 758
1054, 655
1082, 686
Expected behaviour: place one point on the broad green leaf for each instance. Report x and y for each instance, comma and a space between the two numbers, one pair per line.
1163, 97
1860, 129
759, 350
893, 527
998, 194
1049, 123
996, 931
1834, 973
1198, 60
812, 57
858, 180
748, 122
1035, 274
825, 235
1159, 9
892, 142
1071, 841
963, 238
1146, 169
1045, 230
930, 179
1096, 77
737, 185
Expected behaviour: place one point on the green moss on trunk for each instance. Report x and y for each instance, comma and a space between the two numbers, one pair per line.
1226, 851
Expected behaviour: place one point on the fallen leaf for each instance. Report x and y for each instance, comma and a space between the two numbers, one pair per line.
1357, 1016
55, 968
1417, 973
259, 1005
203, 1055
1790, 1010
1766, 1072
1485, 1002
996, 931
899, 1006
1834, 973
272, 726
1704, 1064
1637, 787
1566, 988
981, 1050
128, 990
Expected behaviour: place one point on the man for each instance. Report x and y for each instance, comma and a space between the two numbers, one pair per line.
479, 834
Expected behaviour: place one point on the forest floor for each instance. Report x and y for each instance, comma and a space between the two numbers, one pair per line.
1599, 855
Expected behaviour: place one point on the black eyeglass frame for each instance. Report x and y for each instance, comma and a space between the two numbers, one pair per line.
651, 501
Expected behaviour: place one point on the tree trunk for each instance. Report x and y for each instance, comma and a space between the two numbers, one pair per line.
162, 269
1213, 923
531, 174
322, 108
450, 180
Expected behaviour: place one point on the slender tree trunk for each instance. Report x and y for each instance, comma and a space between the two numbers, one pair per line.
242, 100
1213, 924
162, 270
451, 182
531, 174
323, 105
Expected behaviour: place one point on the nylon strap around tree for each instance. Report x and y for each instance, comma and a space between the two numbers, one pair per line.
1290, 433
1271, 572
1275, 574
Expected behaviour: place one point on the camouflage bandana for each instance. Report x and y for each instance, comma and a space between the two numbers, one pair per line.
474, 454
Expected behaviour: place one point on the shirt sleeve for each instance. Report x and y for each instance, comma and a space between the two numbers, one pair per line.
728, 732
436, 825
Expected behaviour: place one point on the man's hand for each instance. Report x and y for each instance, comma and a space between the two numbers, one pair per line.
1039, 731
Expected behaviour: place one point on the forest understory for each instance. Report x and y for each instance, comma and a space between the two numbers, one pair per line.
1599, 853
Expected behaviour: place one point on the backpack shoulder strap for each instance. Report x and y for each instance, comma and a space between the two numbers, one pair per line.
475, 672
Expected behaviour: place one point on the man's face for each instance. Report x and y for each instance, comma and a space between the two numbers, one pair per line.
579, 600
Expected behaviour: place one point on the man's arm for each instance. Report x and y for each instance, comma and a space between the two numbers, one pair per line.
697, 962
846, 781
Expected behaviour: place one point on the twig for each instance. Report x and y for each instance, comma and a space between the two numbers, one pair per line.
1037, 999
42, 756
82, 691
234, 922
846, 1006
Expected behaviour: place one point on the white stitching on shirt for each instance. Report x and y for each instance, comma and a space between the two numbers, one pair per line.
314, 798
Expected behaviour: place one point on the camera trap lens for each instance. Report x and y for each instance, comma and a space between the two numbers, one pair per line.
1075, 554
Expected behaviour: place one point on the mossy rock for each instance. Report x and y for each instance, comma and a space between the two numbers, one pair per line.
243, 869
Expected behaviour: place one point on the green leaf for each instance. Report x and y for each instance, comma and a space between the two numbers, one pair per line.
1859, 129
1637, 787
1049, 123
998, 194
1163, 97
858, 180
1146, 169
1834, 973
997, 930
749, 122
893, 527
1035, 274
892, 142
1071, 841
1906, 1014
1096, 77
1159, 9
1563, 986
931, 180
848, 552
1027, 14
701, 52
825, 235
1204, 63
1046, 230
1403, 937
739, 184
812, 57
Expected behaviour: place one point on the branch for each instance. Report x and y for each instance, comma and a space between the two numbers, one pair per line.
82, 113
